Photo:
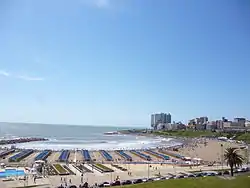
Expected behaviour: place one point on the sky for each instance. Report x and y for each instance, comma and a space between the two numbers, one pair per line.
114, 62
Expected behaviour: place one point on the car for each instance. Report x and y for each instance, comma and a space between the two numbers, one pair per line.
199, 175
137, 181
126, 182
245, 169
116, 183
226, 172
150, 179
104, 184
219, 173
242, 170
180, 177
157, 179
191, 176
171, 177
166, 178
211, 174
72, 186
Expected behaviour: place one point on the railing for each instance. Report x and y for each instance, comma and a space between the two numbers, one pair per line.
142, 155
106, 155
124, 155
7, 152
86, 155
43, 155
159, 155
64, 156
18, 157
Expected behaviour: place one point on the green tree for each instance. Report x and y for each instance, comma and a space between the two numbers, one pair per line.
233, 158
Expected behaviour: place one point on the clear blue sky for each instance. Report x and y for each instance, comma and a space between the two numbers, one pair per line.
114, 62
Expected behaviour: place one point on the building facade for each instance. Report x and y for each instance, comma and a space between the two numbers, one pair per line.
240, 122
198, 123
160, 118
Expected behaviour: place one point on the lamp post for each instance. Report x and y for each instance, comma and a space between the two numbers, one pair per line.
148, 170
110, 177
247, 154
222, 155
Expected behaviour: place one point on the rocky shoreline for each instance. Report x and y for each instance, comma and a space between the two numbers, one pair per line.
21, 140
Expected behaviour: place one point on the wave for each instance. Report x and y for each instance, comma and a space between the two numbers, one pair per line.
97, 145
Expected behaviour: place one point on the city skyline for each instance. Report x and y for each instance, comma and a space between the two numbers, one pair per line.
116, 62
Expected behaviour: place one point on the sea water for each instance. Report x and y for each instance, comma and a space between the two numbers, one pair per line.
80, 137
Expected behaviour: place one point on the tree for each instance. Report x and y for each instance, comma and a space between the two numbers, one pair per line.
233, 158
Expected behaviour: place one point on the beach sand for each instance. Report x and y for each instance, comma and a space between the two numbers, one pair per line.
211, 151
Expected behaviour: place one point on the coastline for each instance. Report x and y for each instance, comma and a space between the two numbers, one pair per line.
203, 153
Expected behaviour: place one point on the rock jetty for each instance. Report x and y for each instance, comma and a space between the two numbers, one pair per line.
21, 140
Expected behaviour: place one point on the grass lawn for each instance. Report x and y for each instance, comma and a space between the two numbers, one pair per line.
60, 169
208, 182
103, 168
245, 137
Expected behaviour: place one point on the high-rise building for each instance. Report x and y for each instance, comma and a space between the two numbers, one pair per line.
152, 120
168, 118
160, 118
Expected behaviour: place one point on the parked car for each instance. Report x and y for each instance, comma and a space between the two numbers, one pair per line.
219, 173
104, 184
157, 179
226, 172
180, 176
137, 181
171, 177
199, 175
191, 176
211, 174
150, 179
126, 182
116, 183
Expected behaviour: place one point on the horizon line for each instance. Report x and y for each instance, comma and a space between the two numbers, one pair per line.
94, 125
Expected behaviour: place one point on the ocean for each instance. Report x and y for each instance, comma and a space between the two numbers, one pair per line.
80, 137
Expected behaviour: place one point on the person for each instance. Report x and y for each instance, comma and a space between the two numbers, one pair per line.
70, 181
